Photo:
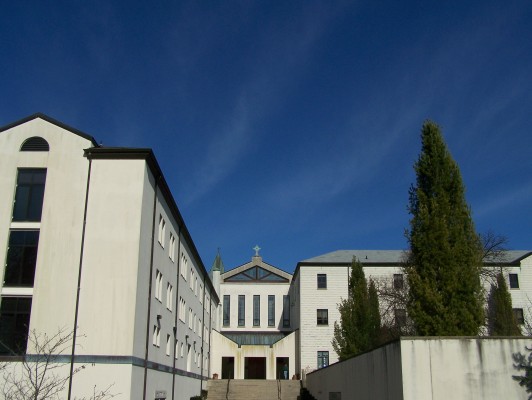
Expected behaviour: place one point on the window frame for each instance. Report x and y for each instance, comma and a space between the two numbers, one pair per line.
519, 316
321, 283
271, 310
256, 310
33, 198
322, 317
226, 314
513, 280
323, 359
241, 310
286, 311
398, 281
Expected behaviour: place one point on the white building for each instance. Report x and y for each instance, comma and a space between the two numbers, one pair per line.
94, 243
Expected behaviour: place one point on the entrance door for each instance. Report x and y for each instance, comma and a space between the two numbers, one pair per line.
255, 368
228, 367
282, 366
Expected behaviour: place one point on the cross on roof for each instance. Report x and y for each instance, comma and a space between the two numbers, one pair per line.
256, 248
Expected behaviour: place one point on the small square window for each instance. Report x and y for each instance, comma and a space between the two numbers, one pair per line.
322, 317
400, 317
398, 282
518, 315
322, 281
514, 281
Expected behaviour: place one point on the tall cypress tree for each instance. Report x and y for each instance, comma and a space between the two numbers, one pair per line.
501, 320
359, 326
443, 270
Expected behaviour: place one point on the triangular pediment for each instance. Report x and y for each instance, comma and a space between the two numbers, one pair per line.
256, 274
257, 271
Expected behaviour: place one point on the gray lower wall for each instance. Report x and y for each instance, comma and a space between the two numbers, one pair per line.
373, 375
426, 369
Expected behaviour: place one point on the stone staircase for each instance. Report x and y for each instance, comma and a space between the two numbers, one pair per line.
252, 389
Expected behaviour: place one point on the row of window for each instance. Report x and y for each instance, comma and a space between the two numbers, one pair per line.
179, 349
398, 281
21, 259
256, 310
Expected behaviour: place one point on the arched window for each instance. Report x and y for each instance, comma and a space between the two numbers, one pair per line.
35, 143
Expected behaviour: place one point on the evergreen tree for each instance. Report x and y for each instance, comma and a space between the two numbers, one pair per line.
359, 326
501, 320
445, 259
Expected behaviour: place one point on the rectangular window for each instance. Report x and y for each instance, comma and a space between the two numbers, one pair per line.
286, 311
182, 309
398, 282
171, 251
156, 335
29, 195
400, 317
322, 317
14, 324
241, 310
158, 285
271, 310
514, 281
190, 318
518, 315
169, 296
21, 258
227, 310
168, 344
323, 359
162, 230
256, 310
322, 281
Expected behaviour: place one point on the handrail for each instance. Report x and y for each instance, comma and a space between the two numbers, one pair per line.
227, 391
278, 389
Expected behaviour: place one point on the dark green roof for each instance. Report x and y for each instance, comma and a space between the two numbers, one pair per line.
218, 264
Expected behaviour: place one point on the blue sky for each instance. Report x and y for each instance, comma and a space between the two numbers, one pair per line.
291, 125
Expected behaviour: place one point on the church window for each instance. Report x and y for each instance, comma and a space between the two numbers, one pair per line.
241, 310
29, 195
271, 310
322, 317
286, 311
256, 310
227, 310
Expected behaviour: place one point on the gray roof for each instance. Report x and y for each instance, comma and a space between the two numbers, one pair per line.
391, 257
364, 256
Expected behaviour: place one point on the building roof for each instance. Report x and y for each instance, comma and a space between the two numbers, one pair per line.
255, 338
364, 256
393, 257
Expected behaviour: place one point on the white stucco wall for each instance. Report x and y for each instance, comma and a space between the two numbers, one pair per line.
318, 337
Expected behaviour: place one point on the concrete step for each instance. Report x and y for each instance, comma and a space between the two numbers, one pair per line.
252, 389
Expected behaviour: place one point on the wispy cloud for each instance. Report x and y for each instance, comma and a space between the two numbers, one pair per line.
507, 199
280, 56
